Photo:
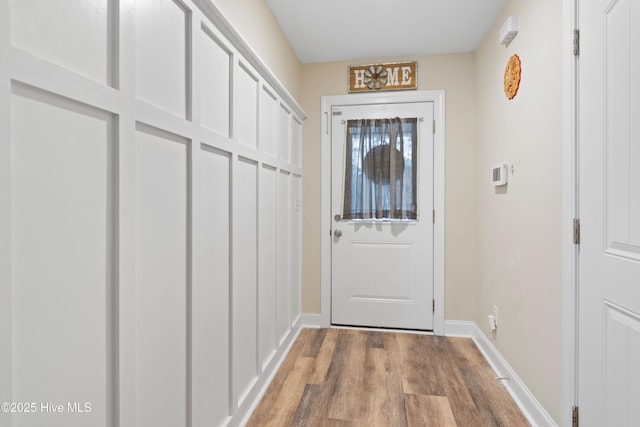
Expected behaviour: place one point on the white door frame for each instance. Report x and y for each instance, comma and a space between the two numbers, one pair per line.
570, 204
438, 99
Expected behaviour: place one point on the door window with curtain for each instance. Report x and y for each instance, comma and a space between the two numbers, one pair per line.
380, 179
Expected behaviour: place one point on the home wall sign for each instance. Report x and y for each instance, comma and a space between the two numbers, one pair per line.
383, 77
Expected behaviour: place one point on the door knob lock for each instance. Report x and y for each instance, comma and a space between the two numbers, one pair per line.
337, 233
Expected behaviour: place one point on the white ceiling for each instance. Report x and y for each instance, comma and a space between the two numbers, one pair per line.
345, 30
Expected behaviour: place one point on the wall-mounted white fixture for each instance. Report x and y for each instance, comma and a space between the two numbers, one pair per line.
492, 323
508, 30
499, 174
495, 314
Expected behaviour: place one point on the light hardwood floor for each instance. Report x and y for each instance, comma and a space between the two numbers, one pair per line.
340, 377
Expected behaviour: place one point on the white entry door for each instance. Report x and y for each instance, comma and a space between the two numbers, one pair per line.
609, 273
382, 267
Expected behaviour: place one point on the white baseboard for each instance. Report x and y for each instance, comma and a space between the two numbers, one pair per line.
458, 328
257, 392
526, 401
310, 320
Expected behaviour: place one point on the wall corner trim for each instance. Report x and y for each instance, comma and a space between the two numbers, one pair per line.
526, 401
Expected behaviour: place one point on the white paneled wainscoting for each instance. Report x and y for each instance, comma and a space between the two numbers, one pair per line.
150, 215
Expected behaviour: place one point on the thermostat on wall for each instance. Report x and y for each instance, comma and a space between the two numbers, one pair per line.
499, 174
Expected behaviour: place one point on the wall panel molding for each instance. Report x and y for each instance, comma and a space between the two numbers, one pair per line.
223, 25
191, 149
6, 357
63, 251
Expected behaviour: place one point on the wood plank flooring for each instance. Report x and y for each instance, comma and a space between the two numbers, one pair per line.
341, 377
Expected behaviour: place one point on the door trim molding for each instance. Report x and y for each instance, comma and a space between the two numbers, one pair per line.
570, 178
438, 99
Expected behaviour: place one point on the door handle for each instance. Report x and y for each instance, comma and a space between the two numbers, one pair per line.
337, 233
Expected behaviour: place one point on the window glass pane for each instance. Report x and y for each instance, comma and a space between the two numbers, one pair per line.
380, 169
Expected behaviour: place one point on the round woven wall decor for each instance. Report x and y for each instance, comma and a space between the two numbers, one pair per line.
512, 76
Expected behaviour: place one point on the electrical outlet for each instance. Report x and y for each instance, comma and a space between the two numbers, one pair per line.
495, 315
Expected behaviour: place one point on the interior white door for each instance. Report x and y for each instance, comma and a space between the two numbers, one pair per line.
609, 272
382, 269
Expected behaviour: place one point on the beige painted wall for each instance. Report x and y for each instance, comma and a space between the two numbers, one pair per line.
453, 73
258, 27
518, 230
502, 248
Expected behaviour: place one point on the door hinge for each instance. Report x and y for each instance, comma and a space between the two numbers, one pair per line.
576, 231
434, 216
576, 42
434, 126
574, 416
434, 306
